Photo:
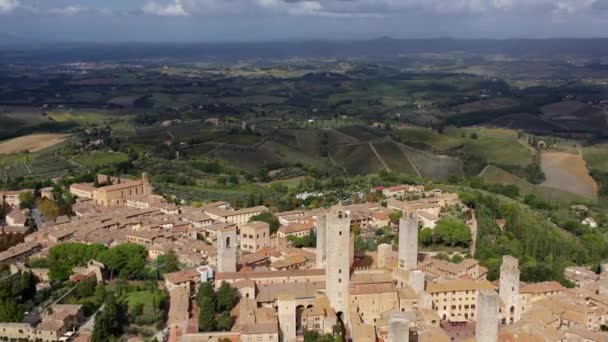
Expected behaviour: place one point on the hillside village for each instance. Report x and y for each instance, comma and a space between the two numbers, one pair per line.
297, 276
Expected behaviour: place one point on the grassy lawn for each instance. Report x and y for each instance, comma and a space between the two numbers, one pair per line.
147, 298
291, 183
98, 158
596, 157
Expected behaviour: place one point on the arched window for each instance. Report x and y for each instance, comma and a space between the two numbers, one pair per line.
228, 242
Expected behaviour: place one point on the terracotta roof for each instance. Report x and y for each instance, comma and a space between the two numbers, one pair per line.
83, 187
256, 225
182, 276
19, 249
296, 227
459, 285
363, 289
120, 186
259, 328
269, 274
271, 292
544, 287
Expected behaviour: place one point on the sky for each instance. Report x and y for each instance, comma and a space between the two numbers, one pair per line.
266, 20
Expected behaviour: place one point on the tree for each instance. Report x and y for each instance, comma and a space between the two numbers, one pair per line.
86, 288
49, 209
360, 244
453, 232
110, 321
59, 272
27, 200
426, 236
395, 216
132, 268
169, 262
100, 294
206, 295
10, 311
206, 317
269, 218
224, 323
226, 297
136, 310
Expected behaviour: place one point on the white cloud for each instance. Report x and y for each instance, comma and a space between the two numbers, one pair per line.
8, 5
173, 9
68, 10
359, 8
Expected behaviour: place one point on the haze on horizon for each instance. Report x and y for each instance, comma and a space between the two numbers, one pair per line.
259, 20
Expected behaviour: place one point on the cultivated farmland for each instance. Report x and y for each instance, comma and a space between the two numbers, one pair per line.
568, 172
31, 143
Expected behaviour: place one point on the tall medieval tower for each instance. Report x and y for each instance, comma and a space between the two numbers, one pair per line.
509, 288
408, 243
337, 272
486, 329
226, 249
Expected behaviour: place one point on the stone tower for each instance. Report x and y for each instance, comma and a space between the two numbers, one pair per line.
146, 184
226, 249
287, 317
385, 251
321, 225
509, 288
398, 327
416, 281
486, 329
337, 271
408, 243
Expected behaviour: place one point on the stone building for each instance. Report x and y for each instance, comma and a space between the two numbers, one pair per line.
227, 245
509, 289
486, 329
254, 236
456, 300
116, 195
337, 275
408, 243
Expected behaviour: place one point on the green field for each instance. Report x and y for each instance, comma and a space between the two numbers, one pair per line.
240, 139
93, 118
394, 157
596, 157
496, 175
99, 158
7, 159
362, 133
357, 159
145, 298
497, 146
43, 166
433, 166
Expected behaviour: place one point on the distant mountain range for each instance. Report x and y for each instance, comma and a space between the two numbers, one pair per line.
12, 49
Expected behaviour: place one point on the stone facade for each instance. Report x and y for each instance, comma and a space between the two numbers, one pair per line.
338, 261
408, 243
227, 245
487, 316
509, 288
